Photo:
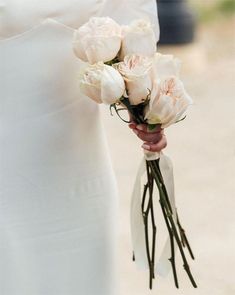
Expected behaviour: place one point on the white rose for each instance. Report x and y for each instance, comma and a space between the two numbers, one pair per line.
97, 40
102, 83
138, 38
166, 65
169, 104
137, 73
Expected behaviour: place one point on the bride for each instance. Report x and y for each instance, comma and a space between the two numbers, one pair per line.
58, 201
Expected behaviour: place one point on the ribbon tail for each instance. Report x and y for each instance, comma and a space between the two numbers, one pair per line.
137, 223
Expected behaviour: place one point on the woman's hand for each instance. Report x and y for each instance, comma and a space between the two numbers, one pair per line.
154, 140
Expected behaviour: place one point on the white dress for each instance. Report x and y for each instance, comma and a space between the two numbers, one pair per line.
58, 195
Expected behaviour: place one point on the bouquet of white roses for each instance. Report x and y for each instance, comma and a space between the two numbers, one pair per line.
126, 72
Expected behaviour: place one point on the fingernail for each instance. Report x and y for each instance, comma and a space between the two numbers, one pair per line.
146, 147
140, 127
132, 125
136, 132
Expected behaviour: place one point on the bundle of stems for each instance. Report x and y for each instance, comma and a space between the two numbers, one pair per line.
176, 232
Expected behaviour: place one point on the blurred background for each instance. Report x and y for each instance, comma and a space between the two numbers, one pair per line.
202, 149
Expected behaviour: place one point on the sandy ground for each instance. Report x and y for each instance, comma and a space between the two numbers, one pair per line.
202, 149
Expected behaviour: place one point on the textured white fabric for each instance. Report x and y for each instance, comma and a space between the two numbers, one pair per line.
58, 194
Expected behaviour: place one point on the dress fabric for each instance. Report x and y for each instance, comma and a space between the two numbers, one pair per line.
58, 193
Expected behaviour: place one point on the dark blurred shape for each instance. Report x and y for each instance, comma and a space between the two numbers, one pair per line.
177, 22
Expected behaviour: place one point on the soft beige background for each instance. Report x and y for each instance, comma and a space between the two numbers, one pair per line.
202, 149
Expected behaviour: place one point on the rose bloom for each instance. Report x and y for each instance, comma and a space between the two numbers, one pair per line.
169, 103
137, 73
138, 38
166, 65
102, 83
97, 40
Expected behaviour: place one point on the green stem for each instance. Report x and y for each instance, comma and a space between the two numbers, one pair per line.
135, 111
145, 216
154, 228
184, 238
171, 220
172, 258
144, 196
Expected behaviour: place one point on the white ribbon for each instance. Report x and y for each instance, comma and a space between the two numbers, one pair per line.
163, 265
